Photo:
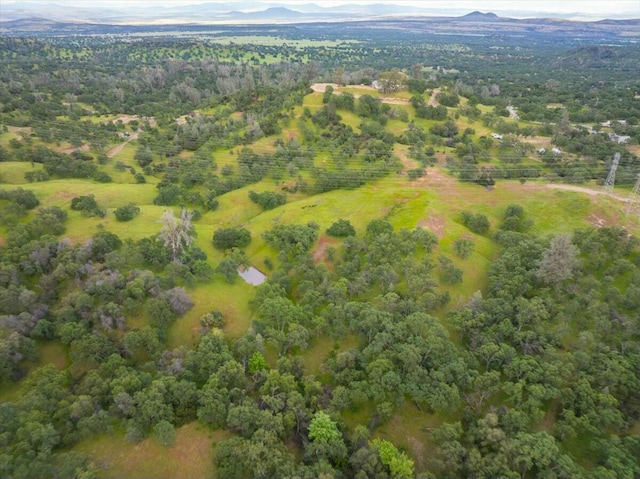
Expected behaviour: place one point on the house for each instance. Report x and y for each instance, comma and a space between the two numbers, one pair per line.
619, 138
555, 151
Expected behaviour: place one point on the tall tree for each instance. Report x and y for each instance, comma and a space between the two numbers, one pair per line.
176, 232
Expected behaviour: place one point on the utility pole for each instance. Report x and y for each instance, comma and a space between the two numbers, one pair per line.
611, 179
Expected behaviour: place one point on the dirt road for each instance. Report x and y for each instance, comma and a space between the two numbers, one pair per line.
589, 191
322, 87
118, 148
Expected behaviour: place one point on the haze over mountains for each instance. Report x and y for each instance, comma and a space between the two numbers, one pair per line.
230, 12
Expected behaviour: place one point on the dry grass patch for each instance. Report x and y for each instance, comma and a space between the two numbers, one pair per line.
190, 457
410, 429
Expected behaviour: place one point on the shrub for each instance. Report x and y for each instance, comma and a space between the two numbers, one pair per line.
102, 177
127, 213
341, 228
449, 274
415, 173
514, 219
212, 319
36, 176
477, 223
268, 199
463, 247
25, 198
227, 238
88, 206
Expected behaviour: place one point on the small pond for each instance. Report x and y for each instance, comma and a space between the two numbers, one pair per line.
252, 276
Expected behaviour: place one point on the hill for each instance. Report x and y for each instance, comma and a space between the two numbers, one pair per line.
440, 284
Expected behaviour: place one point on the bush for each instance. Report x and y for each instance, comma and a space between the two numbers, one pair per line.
25, 198
227, 238
448, 99
179, 300
514, 219
378, 228
212, 319
290, 237
88, 206
463, 247
168, 195
102, 177
103, 243
268, 199
341, 228
36, 176
449, 274
127, 213
415, 173
477, 223
165, 433
144, 156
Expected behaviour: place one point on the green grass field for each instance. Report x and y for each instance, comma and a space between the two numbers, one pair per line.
12, 172
191, 456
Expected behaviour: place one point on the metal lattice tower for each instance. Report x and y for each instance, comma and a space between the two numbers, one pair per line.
608, 184
635, 193
634, 201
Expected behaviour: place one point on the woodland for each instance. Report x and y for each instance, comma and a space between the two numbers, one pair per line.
451, 291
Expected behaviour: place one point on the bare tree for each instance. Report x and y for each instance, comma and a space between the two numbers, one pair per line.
558, 261
176, 232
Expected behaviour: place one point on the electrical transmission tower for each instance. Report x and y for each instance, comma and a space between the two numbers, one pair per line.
608, 184
635, 194
634, 200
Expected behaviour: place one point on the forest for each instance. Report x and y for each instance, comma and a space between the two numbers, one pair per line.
448, 276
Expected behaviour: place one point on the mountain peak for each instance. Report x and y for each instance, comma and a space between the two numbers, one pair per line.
480, 16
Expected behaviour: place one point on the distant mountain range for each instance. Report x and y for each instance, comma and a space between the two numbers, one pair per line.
229, 12
51, 19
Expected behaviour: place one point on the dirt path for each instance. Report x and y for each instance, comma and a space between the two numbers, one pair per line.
589, 191
118, 148
129, 118
71, 149
432, 99
322, 87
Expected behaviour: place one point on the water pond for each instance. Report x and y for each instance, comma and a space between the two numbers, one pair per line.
252, 276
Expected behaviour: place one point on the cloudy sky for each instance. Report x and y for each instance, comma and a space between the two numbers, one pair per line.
587, 8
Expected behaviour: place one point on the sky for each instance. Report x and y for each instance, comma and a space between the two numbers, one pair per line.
586, 8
